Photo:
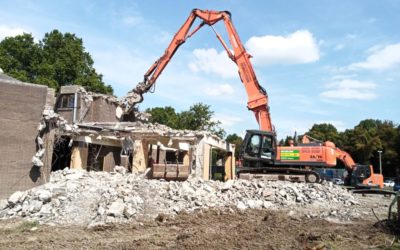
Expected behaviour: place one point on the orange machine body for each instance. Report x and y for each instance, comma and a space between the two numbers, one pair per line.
307, 155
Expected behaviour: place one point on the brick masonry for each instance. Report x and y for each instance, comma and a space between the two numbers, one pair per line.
21, 107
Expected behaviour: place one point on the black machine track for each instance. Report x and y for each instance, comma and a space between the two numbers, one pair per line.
280, 170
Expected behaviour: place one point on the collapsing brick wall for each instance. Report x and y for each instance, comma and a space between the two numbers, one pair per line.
21, 107
88, 106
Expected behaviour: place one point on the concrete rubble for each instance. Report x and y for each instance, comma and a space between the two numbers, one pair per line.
90, 198
140, 129
49, 118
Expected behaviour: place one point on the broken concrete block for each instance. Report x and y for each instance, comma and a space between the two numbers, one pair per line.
241, 206
40, 153
44, 195
3, 204
41, 126
16, 197
39, 141
129, 212
227, 185
116, 209
37, 162
120, 169
35, 206
18, 208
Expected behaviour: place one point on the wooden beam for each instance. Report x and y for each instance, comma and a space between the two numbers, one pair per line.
79, 156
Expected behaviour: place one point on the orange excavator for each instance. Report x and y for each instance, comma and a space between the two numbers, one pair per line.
260, 154
360, 176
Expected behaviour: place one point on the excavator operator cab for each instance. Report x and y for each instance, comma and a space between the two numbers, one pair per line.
361, 177
258, 148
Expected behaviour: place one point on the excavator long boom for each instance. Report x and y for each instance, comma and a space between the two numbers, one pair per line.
257, 96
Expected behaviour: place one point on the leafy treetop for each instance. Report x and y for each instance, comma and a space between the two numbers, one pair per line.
58, 59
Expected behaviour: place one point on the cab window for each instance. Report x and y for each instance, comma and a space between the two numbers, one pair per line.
267, 147
253, 146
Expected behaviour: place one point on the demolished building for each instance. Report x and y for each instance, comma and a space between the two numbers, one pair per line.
79, 130
101, 141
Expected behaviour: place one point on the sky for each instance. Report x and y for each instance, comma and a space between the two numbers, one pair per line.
320, 61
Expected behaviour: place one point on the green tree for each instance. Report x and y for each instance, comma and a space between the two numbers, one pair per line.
58, 59
363, 141
198, 117
166, 116
367, 138
19, 57
325, 132
237, 140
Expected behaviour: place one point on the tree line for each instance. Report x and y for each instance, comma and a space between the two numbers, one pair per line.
56, 60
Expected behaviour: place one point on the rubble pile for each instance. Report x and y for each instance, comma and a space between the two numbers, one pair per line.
78, 197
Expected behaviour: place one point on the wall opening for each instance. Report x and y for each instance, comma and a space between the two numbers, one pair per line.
61, 153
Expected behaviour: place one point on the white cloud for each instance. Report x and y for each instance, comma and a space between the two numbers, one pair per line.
219, 90
381, 58
340, 46
296, 48
349, 89
6, 31
227, 120
343, 77
132, 20
210, 61
351, 36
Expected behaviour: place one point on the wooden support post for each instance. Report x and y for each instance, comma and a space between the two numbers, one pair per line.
228, 166
140, 156
79, 156
206, 162
109, 162
186, 159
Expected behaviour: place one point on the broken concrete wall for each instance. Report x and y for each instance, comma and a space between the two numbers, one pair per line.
21, 108
89, 107
203, 157
101, 110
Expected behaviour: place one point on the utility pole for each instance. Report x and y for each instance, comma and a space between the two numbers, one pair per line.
380, 160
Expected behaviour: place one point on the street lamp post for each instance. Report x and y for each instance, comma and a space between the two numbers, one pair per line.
380, 160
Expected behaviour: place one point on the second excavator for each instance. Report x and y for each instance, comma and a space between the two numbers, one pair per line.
260, 155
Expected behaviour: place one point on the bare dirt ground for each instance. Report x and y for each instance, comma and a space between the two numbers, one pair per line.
214, 229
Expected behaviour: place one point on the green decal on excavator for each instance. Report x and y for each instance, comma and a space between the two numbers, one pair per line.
290, 154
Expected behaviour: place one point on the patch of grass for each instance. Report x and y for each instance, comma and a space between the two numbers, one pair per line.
25, 226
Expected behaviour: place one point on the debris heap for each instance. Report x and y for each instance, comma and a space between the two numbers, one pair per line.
79, 197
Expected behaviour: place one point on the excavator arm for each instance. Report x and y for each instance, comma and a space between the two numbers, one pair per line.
257, 96
346, 158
